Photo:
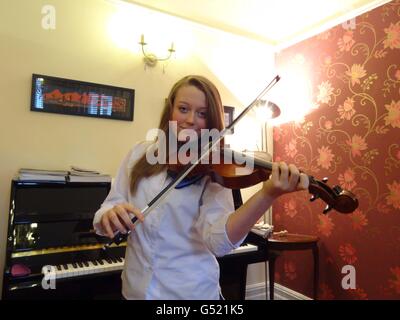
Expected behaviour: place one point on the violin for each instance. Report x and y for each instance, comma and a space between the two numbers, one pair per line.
238, 176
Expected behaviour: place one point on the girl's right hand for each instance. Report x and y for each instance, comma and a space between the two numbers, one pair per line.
117, 218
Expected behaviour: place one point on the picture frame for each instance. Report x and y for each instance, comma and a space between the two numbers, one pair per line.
228, 116
80, 98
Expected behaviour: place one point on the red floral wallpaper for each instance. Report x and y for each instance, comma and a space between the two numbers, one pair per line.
352, 136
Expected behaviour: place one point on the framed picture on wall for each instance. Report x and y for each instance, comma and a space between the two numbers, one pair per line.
79, 98
228, 116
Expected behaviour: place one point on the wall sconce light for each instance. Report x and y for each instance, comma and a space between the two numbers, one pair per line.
150, 59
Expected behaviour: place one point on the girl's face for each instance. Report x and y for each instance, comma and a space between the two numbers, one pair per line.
190, 109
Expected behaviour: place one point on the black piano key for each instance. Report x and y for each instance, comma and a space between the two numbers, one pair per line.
85, 264
120, 259
80, 264
65, 267
94, 262
109, 260
101, 262
74, 265
59, 268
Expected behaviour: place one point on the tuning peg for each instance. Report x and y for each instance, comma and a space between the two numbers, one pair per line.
337, 189
327, 209
314, 197
325, 179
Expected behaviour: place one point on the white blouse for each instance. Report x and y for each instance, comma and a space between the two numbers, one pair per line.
171, 255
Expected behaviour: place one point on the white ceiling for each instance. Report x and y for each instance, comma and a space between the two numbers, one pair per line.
276, 22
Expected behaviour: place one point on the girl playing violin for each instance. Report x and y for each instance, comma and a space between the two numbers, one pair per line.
171, 253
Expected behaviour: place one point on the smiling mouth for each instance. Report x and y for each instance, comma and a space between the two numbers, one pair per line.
190, 129
186, 137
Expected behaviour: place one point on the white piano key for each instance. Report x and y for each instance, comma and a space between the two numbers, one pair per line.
92, 268
70, 271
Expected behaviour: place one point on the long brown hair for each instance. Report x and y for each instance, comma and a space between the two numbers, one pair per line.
214, 120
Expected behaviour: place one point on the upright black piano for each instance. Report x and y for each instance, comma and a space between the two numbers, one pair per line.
50, 224
50, 231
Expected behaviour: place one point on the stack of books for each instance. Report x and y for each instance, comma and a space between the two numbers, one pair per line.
78, 174
26, 174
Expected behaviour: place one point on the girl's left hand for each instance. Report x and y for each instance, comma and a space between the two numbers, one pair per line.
284, 179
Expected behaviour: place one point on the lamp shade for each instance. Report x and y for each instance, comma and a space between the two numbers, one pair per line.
274, 109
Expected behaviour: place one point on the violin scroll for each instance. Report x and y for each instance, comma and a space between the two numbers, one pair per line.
336, 198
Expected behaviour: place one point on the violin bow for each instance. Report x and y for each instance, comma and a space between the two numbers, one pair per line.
119, 237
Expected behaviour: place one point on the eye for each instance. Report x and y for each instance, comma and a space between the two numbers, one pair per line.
202, 114
183, 109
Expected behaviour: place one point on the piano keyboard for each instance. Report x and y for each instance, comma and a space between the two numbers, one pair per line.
244, 248
105, 265
85, 268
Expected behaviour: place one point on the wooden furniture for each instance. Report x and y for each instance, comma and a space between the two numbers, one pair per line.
277, 244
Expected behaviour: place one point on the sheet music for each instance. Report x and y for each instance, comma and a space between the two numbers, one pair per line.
263, 229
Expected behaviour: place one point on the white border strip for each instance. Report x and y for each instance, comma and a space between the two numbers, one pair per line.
257, 292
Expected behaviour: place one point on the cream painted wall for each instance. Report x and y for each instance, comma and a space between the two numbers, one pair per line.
81, 48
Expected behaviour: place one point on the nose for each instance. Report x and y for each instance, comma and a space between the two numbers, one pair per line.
190, 118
